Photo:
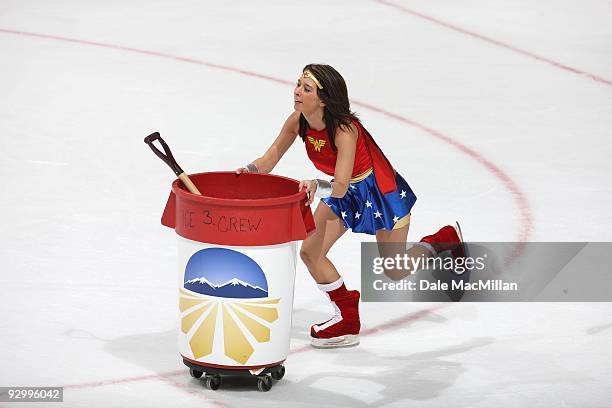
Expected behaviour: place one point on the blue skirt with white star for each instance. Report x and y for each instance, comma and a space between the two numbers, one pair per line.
365, 209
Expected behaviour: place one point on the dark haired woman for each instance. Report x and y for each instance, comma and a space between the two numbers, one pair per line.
366, 194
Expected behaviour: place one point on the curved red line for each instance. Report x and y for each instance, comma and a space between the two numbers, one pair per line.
506, 180
521, 200
390, 325
498, 43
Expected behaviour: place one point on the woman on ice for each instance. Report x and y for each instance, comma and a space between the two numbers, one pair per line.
366, 195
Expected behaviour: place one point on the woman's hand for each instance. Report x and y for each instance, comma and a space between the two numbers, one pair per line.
311, 187
249, 168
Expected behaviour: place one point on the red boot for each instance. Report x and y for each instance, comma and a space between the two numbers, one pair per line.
342, 330
448, 238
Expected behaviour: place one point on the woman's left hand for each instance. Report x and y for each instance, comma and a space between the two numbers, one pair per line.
311, 187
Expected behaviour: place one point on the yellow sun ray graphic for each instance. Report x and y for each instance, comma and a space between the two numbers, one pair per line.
202, 340
189, 320
237, 347
267, 313
187, 303
258, 330
263, 302
254, 315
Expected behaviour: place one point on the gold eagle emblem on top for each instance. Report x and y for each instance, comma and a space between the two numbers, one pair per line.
317, 143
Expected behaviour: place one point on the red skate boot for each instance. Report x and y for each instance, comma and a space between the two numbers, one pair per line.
342, 330
448, 238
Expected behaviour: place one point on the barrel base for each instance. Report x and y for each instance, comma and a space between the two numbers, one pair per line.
213, 374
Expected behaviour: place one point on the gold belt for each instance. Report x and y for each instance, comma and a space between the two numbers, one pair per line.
361, 176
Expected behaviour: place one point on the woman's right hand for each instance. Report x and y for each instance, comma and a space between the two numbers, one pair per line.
311, 187
249, 168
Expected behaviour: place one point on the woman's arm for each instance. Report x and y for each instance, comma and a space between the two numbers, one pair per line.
346, 142
266, 163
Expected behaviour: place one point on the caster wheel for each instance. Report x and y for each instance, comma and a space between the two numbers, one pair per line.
264, 383
195, 373
278, 374
213, 382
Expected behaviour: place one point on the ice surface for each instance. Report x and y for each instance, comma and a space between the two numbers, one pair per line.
504, 136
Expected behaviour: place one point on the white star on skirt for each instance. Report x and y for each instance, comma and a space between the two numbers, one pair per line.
368, 204
403, 194
357, 215
377, 214
343, 214
395, 219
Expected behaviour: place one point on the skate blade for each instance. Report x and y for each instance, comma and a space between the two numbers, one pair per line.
456, 296
335, 342
466, 251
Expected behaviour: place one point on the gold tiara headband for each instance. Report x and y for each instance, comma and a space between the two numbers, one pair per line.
308, 74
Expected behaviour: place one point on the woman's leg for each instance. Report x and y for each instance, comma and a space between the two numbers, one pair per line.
342, 329
392, 243
315, 248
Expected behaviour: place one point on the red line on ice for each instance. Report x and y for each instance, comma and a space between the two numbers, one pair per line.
525, 225
495, 42
381, 328
520, 199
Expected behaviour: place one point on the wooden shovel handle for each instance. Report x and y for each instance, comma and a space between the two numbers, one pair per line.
189, 184
169, 159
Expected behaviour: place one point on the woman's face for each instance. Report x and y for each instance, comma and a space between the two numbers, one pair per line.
305, 97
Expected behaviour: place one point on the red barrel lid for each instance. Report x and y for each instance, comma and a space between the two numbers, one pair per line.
246, 209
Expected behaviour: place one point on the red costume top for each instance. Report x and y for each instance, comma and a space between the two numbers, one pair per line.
367, 156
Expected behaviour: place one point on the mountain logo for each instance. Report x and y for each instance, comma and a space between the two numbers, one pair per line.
246, 319
226, 273
233, 288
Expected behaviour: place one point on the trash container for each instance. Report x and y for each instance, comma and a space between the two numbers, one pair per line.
237, 257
